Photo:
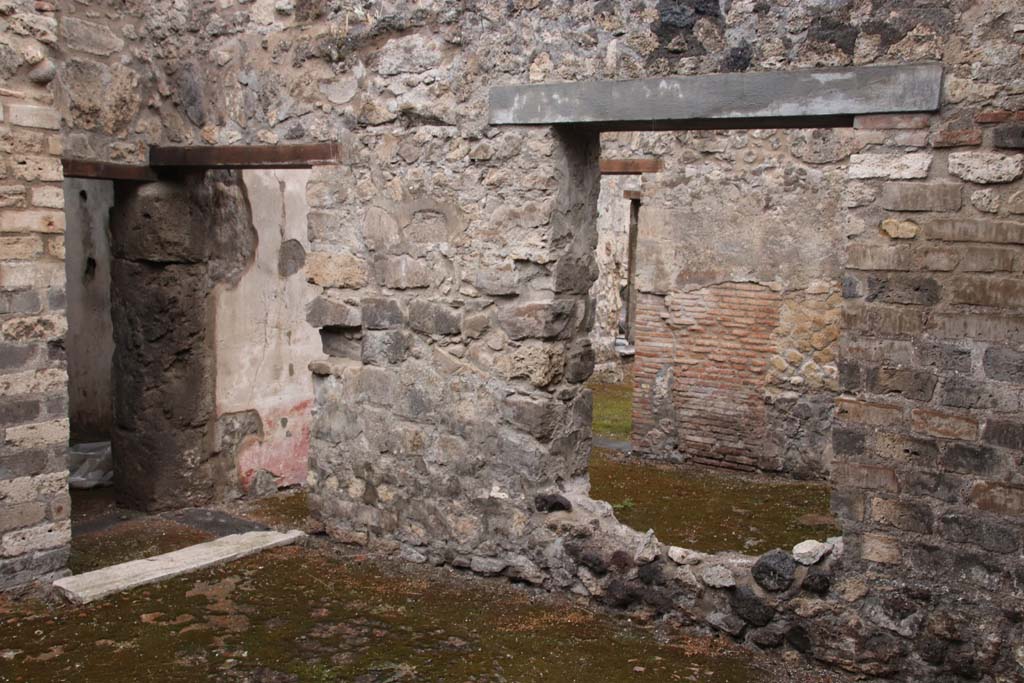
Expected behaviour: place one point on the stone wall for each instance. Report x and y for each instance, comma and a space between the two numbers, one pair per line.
34, 503
451, 421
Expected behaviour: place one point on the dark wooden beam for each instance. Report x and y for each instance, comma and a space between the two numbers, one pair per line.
245, 156
631, 166
633, 194
103, 170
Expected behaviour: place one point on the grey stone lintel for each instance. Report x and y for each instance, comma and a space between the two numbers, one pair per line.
805, 97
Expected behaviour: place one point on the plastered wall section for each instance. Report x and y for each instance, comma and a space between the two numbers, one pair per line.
263, 343
90, 338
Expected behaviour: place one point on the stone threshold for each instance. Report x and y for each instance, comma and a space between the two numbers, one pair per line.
85, 588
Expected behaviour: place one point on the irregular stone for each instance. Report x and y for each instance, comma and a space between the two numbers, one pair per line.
404, 272
717, 576
774, 571
921, 197
648, 549
88, 36
344, 271
685, 557
327, 312
749, 607
385, 347
540, 319
986, 167
900, 230
379, 313
985, 200
488, 566
810, 551
817, 583
728, 623
893, 166
433, 318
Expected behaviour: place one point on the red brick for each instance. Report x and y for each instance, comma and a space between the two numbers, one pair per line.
1006, 500
889, 121
963, 137
998, 116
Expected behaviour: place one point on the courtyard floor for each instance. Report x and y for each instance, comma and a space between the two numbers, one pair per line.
318, 612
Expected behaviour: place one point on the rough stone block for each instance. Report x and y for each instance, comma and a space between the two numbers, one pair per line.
403, 272
891, 166
964, 392
434, 318
20, 247
538, 319
1009, 136
921, 197
998, 498
970, 459
33, 116
986, 167
918, 385
879, 257
379, 313
344, 271
497, 282
861, 412
1004, 364
977, 259
328, 312
873, 477
34, 539
32, 220
905, 515
966, 527
22, 515
944, 425
997, 292
880, 549
900, 230
900, 289
1004, 434
385, 347
892, 121
38, 434
34, 168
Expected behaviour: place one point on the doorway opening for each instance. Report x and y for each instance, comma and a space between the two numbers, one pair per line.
188, 352
720, 278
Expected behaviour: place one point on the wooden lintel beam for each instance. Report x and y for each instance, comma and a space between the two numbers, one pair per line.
104, 170
631, 166
245, 156
632, 194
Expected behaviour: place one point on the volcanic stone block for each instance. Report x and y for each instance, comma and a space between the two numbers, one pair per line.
434, 318
775, 570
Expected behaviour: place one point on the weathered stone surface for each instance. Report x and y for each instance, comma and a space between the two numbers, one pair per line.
540, 320
381, 314
345, 271
386, 347
328, 312
717, 576
986, 167
810, 552
892, 166
900, 230
434, 318
1009, 136
749, 607
774, 571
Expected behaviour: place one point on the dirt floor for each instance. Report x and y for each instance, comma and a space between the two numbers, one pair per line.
699, 507
319, 613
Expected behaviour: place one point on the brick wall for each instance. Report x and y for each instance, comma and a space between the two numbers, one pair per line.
930, 429
718, 341
34, 502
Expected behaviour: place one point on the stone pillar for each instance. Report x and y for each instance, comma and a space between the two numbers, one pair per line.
163, 358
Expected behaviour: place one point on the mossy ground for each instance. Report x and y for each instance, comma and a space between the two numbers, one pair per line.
308, 614
698, 507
